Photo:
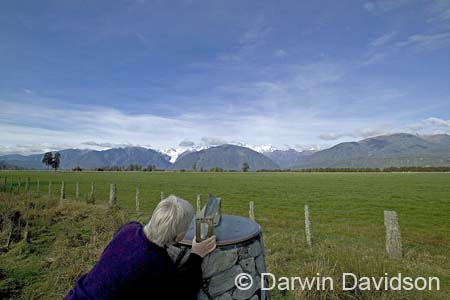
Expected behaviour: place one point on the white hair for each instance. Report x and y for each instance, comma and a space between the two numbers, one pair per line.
171, 217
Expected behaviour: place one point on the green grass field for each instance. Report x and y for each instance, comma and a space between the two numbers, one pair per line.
346, 214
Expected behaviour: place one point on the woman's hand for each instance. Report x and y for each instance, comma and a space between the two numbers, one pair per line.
205, 247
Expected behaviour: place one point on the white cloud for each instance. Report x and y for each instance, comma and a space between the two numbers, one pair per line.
380, 47
280, 53
427, 41
251, 39
369, 6
296, 104
361, 133
212, 141
384, 46
383, 39
255, 34
107, 145
35, 124
331, 136
186, 143
439, 11
44, 127
106, 128
383, 5
439, 122
370, 132
373, 58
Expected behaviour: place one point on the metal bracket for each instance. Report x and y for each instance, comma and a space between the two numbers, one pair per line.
208, 218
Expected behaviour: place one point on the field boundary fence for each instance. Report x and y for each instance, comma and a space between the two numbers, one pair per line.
393, 245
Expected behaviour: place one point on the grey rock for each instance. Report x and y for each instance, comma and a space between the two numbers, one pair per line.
225, 296
202, 296
218, 261
260, 264
243, 253
247, 294
224, 281
255, 249
248, 265
173, 252
185, 257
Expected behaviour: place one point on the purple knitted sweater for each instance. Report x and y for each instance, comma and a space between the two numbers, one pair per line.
132, 267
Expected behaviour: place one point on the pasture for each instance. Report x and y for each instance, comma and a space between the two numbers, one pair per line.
346, 211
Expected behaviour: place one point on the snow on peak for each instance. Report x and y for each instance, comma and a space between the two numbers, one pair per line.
261, 148
174, 153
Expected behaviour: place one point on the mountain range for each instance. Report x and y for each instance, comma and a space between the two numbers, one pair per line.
394, 150
227, 157
92, 159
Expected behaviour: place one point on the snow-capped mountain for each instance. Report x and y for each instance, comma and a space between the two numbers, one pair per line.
258, 148
175, 153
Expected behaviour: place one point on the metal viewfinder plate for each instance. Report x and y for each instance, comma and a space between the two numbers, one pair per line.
232, 230
204, 228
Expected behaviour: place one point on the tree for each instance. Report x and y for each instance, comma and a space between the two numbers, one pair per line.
134, 167
150, 168
48, 159
56, 162
245, 167
194, 167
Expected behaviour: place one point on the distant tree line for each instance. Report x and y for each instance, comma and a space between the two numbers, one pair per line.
130, 167
388, 169
5, 166
353, 170
245, 168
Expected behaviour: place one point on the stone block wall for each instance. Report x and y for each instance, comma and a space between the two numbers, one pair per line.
221, 267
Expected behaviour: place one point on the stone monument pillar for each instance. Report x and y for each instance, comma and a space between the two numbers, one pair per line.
240, 249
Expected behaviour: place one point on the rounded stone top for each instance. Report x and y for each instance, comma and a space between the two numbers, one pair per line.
231, 230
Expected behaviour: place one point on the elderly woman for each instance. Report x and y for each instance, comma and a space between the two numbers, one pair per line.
136, 265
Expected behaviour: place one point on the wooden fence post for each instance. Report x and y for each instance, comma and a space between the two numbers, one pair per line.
63, 192
26, 233
18, 185
27, 185
199, 203
251, 212
393, 238
77, 191
162, 196
138, 201
38, 188
91, 198
112, 195
307, 226
50, 189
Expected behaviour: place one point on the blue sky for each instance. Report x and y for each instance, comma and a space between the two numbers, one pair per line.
294, 74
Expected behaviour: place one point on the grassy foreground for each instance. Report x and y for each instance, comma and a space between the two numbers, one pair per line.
51, 245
